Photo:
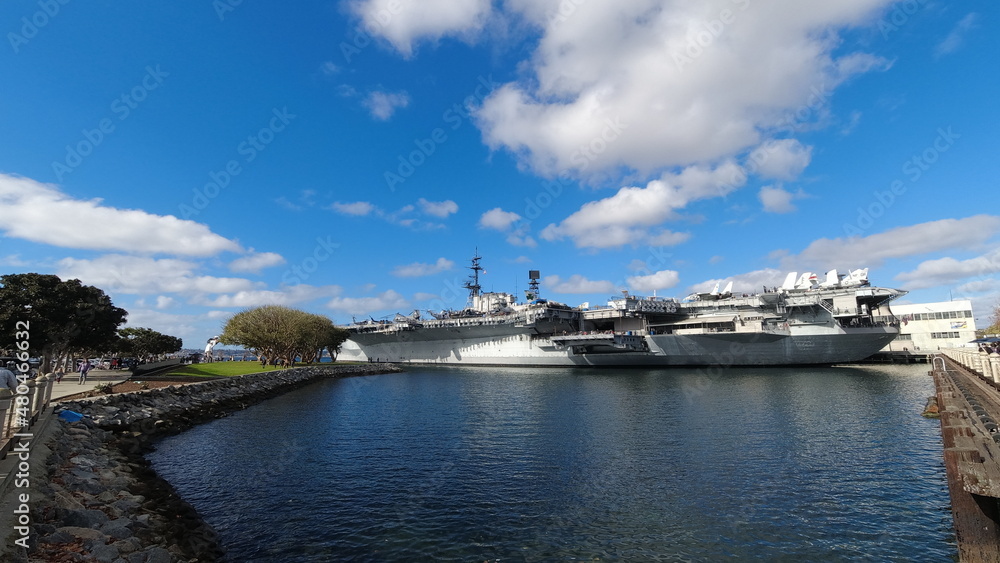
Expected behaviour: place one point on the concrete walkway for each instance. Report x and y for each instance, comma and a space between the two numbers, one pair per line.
71, 382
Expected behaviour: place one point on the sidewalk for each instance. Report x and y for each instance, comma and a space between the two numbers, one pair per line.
71, 382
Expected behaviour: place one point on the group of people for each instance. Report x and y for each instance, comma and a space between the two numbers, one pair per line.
8, 380
990, 347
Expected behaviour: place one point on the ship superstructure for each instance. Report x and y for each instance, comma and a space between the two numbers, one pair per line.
804, 321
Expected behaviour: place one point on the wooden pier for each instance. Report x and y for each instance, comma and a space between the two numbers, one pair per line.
968, 401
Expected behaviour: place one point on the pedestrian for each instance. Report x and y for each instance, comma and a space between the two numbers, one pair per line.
8, 383
84, 370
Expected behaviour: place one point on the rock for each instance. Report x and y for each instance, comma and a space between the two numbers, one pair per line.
105, 553
57, 537
130, 545
82, 533
87, 518
65, 500
83, 473
158, 555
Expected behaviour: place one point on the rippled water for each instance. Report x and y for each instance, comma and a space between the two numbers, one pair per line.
796, 464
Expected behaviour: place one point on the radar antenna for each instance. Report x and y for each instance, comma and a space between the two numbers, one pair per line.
532, 292
473, 282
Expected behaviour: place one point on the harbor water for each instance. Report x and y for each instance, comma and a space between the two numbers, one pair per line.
510, 464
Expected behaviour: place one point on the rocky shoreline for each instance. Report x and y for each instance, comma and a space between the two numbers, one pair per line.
101, 499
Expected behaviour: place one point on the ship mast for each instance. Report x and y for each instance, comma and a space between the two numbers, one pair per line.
532, 292
473, 282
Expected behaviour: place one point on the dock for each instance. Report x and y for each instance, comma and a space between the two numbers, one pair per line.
899, 357
967, 386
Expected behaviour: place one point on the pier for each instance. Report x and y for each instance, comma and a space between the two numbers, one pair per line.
968, 400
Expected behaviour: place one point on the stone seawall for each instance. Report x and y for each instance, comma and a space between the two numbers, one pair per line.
101, 500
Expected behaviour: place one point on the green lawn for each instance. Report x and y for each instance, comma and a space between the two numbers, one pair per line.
217, 369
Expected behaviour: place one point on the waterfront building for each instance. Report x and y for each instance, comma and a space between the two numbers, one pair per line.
932, 326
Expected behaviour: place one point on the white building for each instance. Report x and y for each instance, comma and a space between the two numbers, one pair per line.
930, 326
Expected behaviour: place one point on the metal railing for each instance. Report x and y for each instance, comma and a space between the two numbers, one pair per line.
20, 408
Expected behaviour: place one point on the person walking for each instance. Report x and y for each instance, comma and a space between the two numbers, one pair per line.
84, 370
8, 383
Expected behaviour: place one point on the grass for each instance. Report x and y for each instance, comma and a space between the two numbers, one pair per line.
220, 369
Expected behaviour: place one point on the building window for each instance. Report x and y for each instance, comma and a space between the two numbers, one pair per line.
902, 336
944, 335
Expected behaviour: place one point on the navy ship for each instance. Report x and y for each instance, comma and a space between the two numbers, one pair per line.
839, 319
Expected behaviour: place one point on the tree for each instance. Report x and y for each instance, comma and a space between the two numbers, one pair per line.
994, 328
277, 332
335, 338
62, 316
145, 342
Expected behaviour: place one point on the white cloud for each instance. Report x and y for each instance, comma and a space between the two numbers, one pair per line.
438, 208
359, 208
256, 261
914, 240
637, 265
989, 285
509, 223
418, 269
289, 295
329, 68
383, 104
182, 326
131, 275
954, 40
782, 159
46, 215
387, 300
663, 279
498, 219
632, 215
13, 260
778, 200
404, 216
577, 284
404, 22
949, 271
750, 282
684, 94
147, 276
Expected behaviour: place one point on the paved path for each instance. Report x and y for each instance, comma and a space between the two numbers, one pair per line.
71, 382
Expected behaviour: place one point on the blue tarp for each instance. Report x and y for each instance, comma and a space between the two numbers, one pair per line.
70, 416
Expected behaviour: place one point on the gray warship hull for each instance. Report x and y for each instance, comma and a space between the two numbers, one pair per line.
511, 346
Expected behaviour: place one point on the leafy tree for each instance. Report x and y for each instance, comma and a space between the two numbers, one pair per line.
994, 328
62, 316
277, 332
335, 338
145, 342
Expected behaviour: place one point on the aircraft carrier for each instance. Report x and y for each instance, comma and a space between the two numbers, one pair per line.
839, 319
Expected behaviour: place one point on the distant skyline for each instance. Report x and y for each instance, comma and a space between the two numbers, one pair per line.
348, 158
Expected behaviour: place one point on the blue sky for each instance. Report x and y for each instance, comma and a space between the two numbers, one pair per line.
348, 158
